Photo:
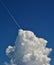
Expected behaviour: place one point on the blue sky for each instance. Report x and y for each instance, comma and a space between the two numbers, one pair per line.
37, 16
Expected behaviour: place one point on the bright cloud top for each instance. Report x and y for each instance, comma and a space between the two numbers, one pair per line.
28, 50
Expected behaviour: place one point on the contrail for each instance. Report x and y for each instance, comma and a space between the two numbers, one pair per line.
10, 14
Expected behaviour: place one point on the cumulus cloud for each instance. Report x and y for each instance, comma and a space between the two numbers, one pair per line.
28, 50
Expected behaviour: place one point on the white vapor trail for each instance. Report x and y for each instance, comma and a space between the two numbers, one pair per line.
10, 14
28, 50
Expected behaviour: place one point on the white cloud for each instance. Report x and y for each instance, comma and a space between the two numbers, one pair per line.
28, 50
